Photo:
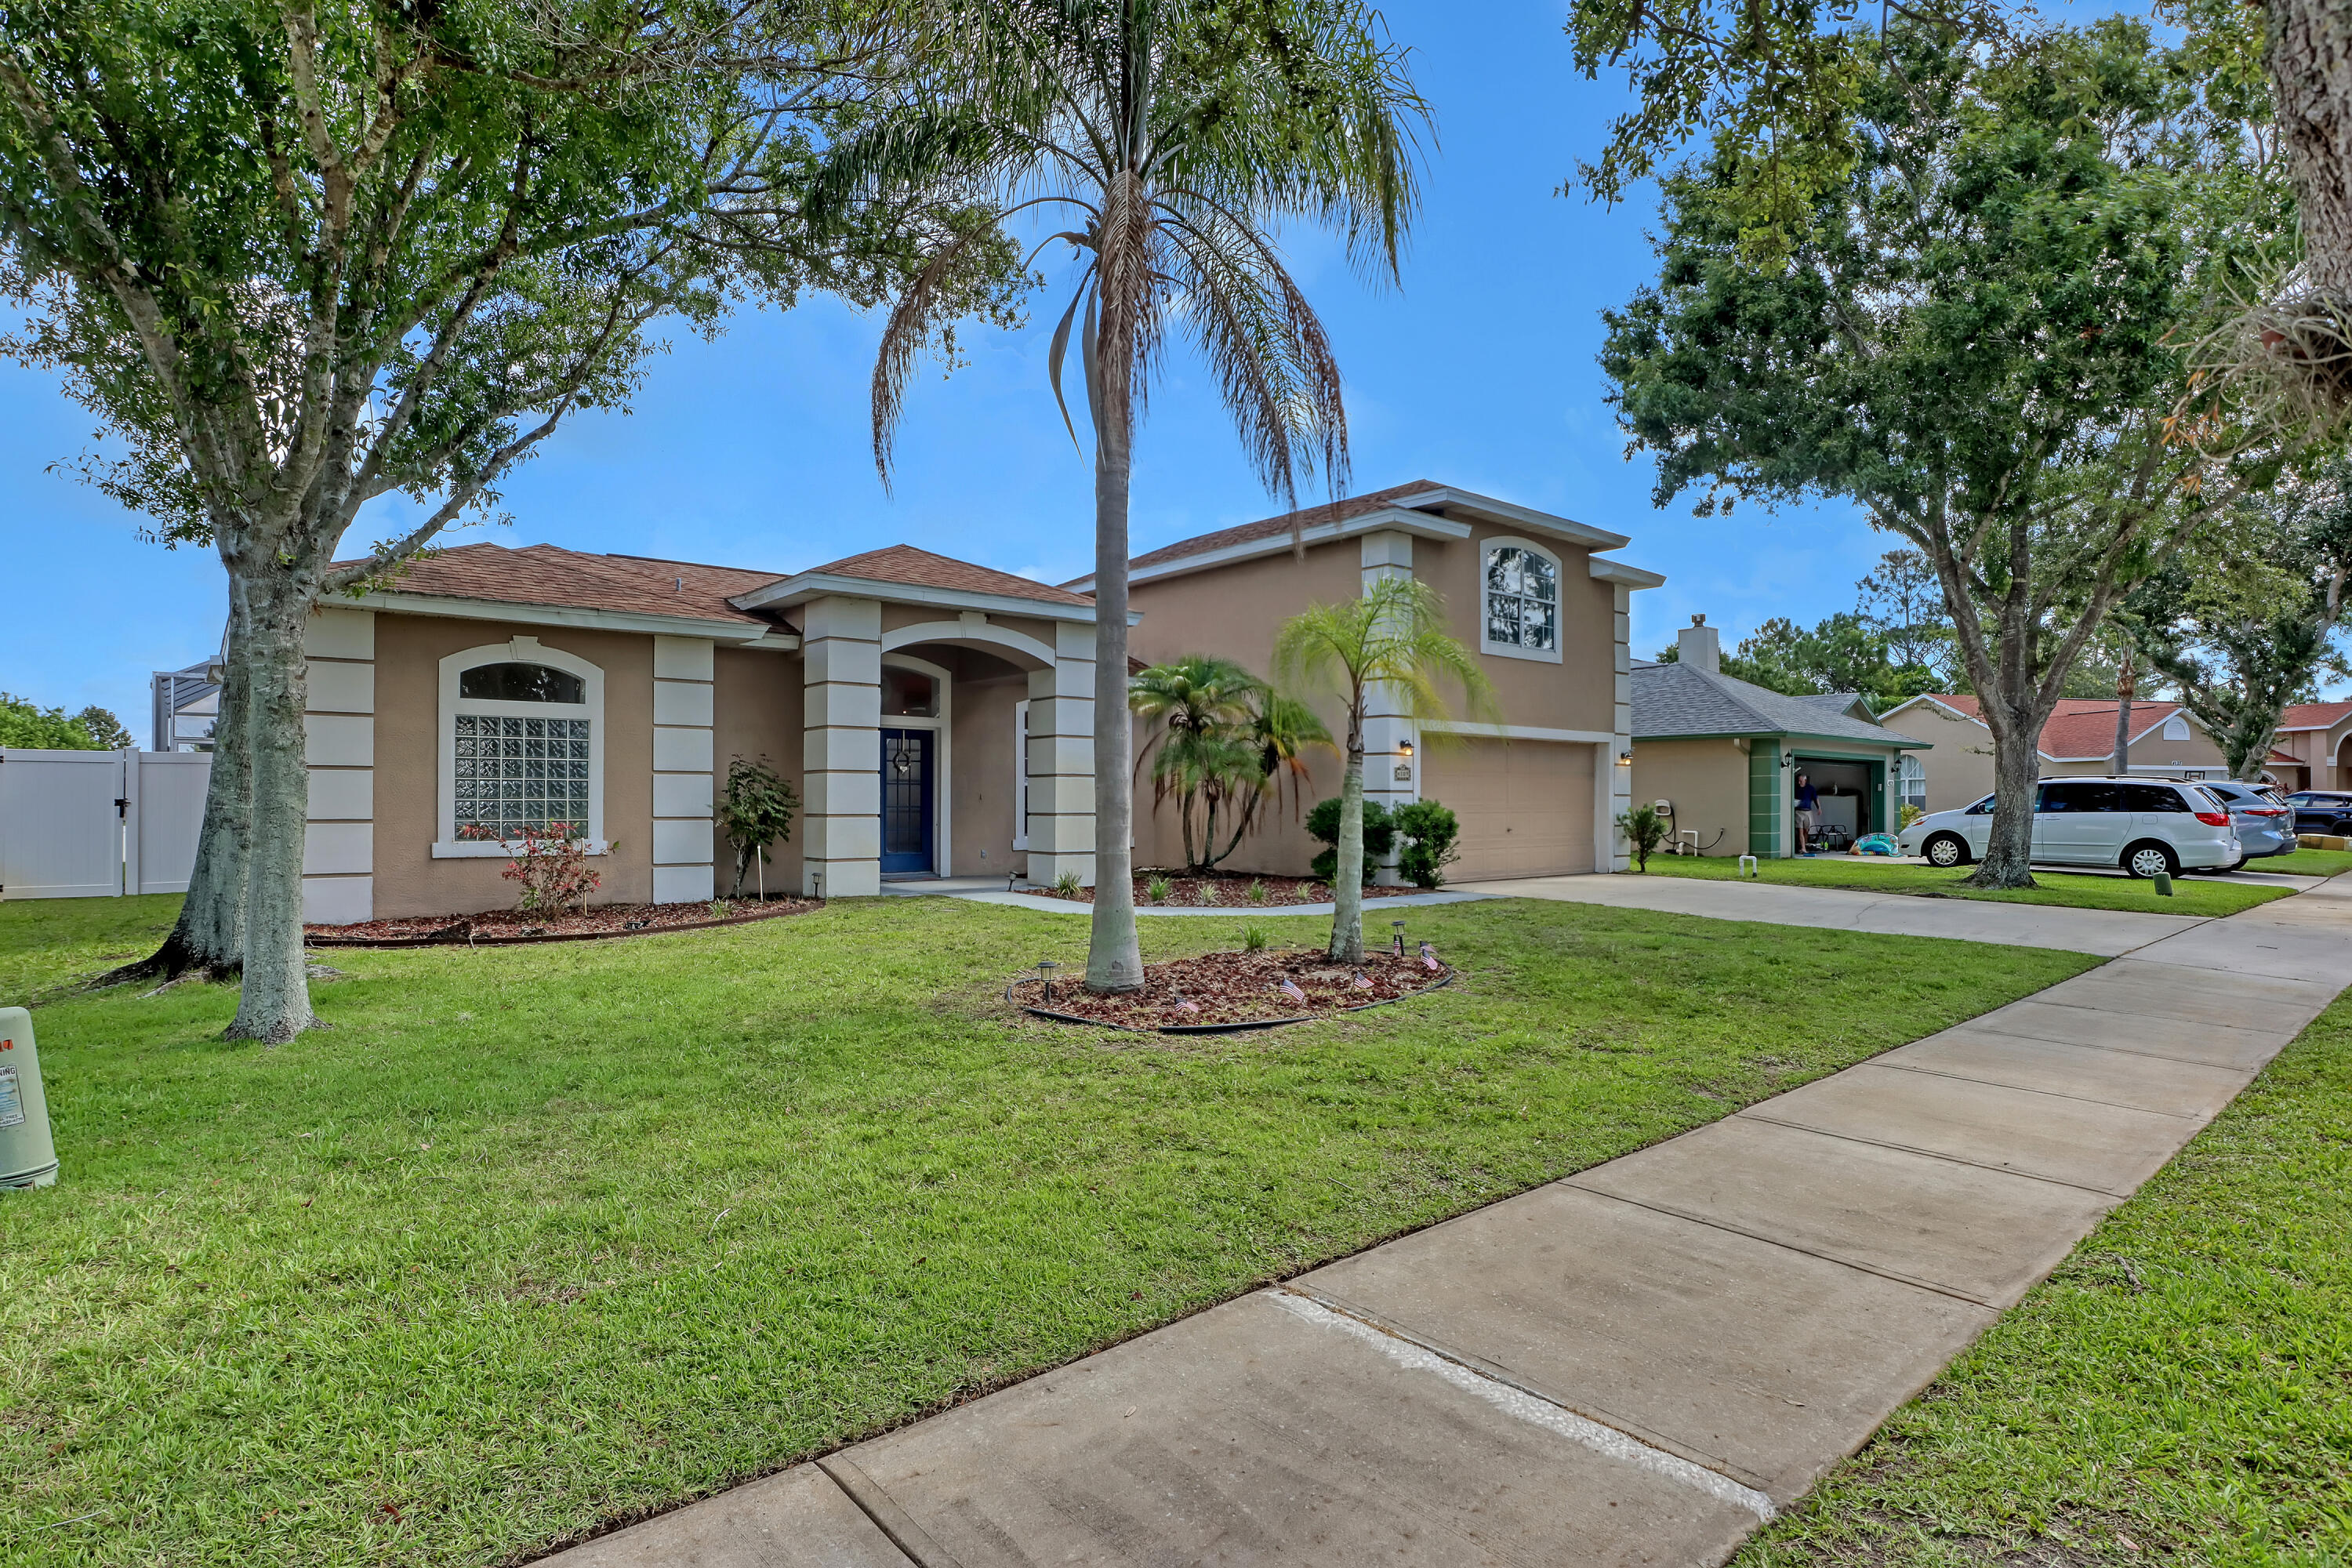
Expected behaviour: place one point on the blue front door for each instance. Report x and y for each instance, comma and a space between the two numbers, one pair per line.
906, 800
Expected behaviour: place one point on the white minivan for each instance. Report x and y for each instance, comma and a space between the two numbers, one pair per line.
2144, 825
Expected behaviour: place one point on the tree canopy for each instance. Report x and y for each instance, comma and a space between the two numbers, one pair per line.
1976, 335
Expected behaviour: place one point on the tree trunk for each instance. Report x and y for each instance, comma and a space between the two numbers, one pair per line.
274, 1002
2311, 82
2124, 690
1348, 876
2017, 776
1114, 959
209, 935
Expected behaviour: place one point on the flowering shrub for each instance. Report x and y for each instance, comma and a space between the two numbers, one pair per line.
552, 867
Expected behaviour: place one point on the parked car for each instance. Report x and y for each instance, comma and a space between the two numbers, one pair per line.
2321, 810
2266, 824
2142, 826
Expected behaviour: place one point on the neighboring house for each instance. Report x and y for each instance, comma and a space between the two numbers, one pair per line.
1724, 754
1538, 791
2079, 740
936, 716
183, 705
2314, 750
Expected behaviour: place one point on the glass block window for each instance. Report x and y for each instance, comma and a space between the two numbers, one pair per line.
518, 773
1522, 599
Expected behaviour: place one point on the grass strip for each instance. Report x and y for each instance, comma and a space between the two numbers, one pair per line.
537, 1240
2191, 895
2179, 1391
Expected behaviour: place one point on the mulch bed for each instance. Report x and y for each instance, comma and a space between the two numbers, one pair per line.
1226, 892
1236, 990
499, 927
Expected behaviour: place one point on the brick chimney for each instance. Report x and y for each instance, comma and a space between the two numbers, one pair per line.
1696, 645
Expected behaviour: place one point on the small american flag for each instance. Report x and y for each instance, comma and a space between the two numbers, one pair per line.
1429, 957
1185, 1004
1360, 983
1289, 988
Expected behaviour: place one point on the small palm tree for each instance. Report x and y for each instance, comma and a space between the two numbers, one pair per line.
1178, 135
1392, 637
1225, 742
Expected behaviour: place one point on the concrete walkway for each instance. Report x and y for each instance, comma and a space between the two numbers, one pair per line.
2105, 933
990, 890
1637, 1364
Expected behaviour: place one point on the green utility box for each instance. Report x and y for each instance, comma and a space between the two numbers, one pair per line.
28, 1158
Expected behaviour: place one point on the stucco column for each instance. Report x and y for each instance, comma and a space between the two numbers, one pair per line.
1062, 759
339, 745
683, 671
1392, 773
841, 748
1612, 778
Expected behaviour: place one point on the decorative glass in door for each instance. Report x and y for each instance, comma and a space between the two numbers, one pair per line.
906, 800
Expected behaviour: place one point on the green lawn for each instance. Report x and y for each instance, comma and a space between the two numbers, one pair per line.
2191, 895
2181, 1391
2308, 863
45, 942
536, 1239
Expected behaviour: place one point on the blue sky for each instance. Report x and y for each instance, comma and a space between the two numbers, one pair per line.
753, 451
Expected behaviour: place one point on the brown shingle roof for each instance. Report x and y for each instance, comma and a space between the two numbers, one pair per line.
921, 569
550, 574
2314, 715
2078, 727
1279, 527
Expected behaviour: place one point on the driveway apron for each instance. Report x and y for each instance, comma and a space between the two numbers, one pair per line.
1636, 1365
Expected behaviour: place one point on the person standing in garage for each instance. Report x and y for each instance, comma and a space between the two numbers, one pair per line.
1809, 814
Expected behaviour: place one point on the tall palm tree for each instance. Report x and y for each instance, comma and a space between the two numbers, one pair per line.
1177, 135
1392, 637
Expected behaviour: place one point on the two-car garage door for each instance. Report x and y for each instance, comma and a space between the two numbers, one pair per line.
1526, 806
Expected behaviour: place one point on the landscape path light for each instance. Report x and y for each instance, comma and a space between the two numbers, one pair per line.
1396, 945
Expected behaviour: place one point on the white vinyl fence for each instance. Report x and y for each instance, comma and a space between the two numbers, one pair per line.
97, 825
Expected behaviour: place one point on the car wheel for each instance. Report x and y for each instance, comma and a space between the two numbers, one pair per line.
1948, 849
2147, 857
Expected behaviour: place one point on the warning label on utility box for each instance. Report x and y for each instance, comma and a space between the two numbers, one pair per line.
12, 1103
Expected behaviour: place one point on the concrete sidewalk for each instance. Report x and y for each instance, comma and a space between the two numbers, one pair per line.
2105, 933
1636, 1365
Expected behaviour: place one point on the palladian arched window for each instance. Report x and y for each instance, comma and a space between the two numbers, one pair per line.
1522, 599
520, 746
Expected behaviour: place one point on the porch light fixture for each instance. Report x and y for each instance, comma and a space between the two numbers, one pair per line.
1625, 758
1404, 748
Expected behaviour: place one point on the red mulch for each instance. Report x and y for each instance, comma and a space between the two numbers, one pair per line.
1238, 988
1227, 892
499, 926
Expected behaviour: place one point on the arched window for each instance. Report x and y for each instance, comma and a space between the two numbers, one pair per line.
521, 746
2176, 728
1522, 600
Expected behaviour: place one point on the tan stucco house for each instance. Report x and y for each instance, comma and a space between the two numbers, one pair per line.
1720, 756
2313, 749
2079, 741
1531, 594
894, 689
936, 716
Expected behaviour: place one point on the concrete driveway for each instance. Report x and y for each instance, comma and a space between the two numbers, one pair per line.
1636, 1365
2106, 932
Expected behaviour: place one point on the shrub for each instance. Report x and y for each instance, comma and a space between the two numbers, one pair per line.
1066, 884
756, 811
1645, 829
1430, 832
1256, 893
1380, 837
552, 867
1157, 890
1906, 815
1252, 939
